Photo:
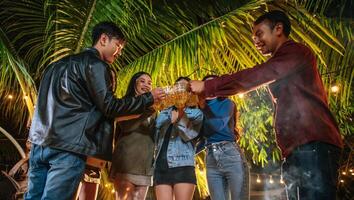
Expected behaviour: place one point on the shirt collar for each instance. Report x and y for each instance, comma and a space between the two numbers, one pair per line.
94, 51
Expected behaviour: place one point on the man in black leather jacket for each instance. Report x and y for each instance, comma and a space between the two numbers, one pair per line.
74, 115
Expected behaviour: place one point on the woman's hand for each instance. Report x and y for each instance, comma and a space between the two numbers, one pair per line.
174, 116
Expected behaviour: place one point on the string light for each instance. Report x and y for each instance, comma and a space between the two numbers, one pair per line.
258, 179
271, 179
344, 173
241, 95
335, 88
25, 97
10, 96
351, 170
113, 191
341, 180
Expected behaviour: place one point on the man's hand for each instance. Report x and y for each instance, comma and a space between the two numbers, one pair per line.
197, 87
158, 94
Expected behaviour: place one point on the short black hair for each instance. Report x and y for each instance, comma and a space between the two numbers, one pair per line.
274, 17
109, 28
182, 78
209, 76
131, 86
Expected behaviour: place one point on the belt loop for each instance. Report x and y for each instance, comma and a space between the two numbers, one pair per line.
218, 144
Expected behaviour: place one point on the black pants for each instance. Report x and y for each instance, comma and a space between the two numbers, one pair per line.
311, 172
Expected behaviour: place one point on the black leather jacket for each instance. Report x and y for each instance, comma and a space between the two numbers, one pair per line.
76, 106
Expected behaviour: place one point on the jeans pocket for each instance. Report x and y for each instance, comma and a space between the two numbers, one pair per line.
65, 158
232, 154
210, 160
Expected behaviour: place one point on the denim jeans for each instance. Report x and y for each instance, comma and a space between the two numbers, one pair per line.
311, 172
227, 172
53, 173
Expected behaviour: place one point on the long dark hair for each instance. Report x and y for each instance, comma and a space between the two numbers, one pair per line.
131, 86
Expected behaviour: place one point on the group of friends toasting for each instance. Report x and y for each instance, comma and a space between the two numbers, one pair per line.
76, 111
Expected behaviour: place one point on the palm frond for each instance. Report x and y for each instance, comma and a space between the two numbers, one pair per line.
25, 23
13, 68
223, 43
170, 39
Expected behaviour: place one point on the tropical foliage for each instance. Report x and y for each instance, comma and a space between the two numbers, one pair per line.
171, 38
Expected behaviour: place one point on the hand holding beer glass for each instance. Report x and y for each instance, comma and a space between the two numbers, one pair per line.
177, 95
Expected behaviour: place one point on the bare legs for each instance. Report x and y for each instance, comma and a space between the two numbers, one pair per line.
179, 191
164, 192
126, 190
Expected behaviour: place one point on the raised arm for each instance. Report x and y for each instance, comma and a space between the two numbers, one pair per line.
288, 60
100, 90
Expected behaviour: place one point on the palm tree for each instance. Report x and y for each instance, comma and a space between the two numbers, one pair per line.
170, 38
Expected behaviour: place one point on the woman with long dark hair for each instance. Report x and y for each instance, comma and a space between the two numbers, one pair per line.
132, 159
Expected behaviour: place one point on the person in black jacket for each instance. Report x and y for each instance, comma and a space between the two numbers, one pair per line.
74, 115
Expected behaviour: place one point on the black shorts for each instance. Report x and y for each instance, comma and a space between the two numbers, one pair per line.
170, 176
175, 175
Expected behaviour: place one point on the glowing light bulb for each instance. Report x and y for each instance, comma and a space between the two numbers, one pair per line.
113, 191
335, 88
281, 180
241, 96
10, 96
351, 170
258, 179
344, 173
271, 181
341, 180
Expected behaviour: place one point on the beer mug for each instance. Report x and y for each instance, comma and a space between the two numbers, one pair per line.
167, 101
181, 94
192, 100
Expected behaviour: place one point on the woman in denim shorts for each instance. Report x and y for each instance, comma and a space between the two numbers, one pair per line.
174, 175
